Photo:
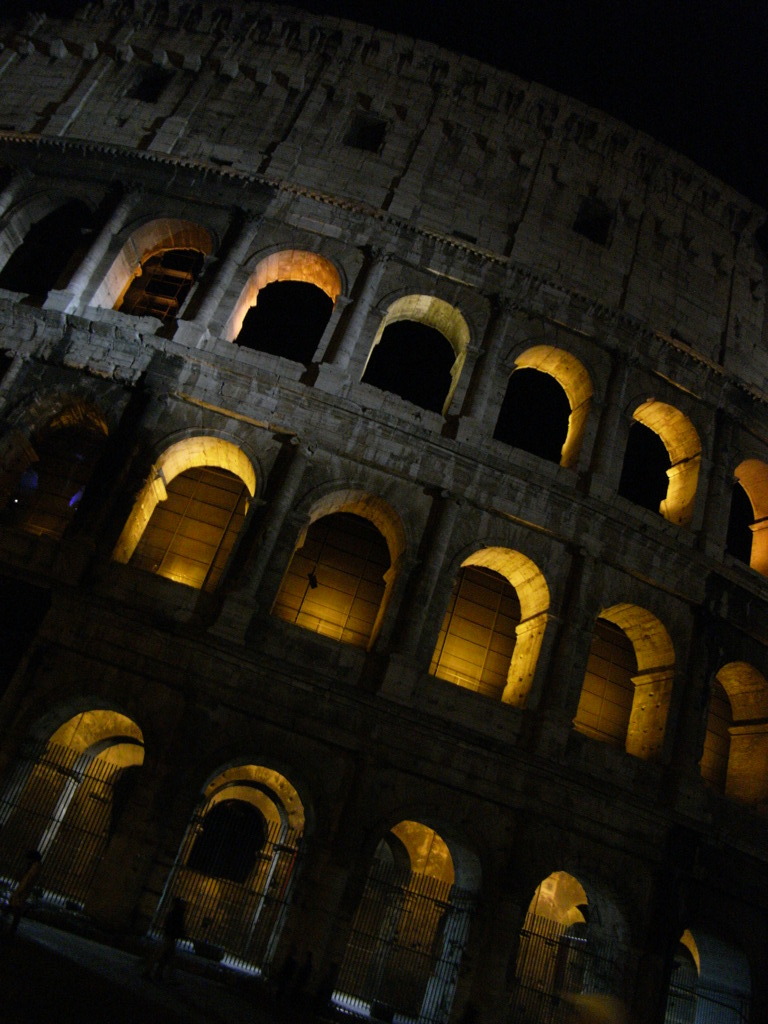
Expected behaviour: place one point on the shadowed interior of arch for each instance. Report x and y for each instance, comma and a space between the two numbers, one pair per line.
288, 320
644, 479
50, 251
414, 361
162, 284
607, 692
739, 537
534, 414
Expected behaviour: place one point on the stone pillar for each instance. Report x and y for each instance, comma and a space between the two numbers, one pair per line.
490, 958
606, 459
11, 191
71, 298
238, 607
224, 271
368, 283
476, 405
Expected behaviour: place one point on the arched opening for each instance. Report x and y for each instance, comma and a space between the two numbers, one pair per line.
735, 755
419, 351
162, 284
409, 932
65, 799
286, 305
50, 251
476, 648
336, 581
571, 957
628, 682
738, 540
155, 269
189, 514
534, 415
236, 865
644, 479
288, 320
710, 981
661, 462
747, 535
477, 638
63, 455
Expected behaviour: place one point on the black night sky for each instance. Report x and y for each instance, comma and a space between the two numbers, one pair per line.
691, 73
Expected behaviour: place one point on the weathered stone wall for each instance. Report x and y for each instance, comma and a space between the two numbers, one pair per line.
471, 199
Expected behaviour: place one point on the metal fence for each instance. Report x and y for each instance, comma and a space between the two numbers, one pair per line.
235, 922
689, 1002
404, 949
59, 802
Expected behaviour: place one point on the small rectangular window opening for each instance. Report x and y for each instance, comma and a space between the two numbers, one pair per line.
594, 220
367, 132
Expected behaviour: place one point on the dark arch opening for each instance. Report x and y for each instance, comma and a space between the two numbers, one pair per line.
644, 479
51, 249
288, 320
163, 285
232, 836
534, 414
413, 361
738, 541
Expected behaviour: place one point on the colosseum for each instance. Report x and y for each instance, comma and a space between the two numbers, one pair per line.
384, 532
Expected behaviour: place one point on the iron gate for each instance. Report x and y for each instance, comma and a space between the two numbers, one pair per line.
236, 922
554, 964
404, 948
60, 802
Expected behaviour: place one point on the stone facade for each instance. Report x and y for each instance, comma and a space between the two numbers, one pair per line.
409, 185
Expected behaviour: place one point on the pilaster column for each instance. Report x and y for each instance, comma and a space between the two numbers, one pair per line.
497, 329
368, 283
225, 269
82, 276
606, 461
237, 610
11, 191
417, 607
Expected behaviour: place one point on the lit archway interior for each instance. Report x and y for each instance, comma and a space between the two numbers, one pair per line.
494, 625
752, 476
628, 682
409, 930
735, 755
402, 364
576, 385
66, 800
683, 447
187, 517
340, 576
236, 864
61, 456
293, 266
163, 257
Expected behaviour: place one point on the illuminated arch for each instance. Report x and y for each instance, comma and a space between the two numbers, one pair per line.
532, 591
651, 684
575, 381
237, 862
286, 265
752, 475
683, 446
413, 900
66, 800
437, 314
736, 748
201, 451
333, 592
569, 955
151, 239
711, 981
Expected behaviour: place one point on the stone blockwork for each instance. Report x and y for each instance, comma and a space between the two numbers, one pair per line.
234, 151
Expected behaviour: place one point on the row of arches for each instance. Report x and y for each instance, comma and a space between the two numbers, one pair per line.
339, 580
418, 354
241, 856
